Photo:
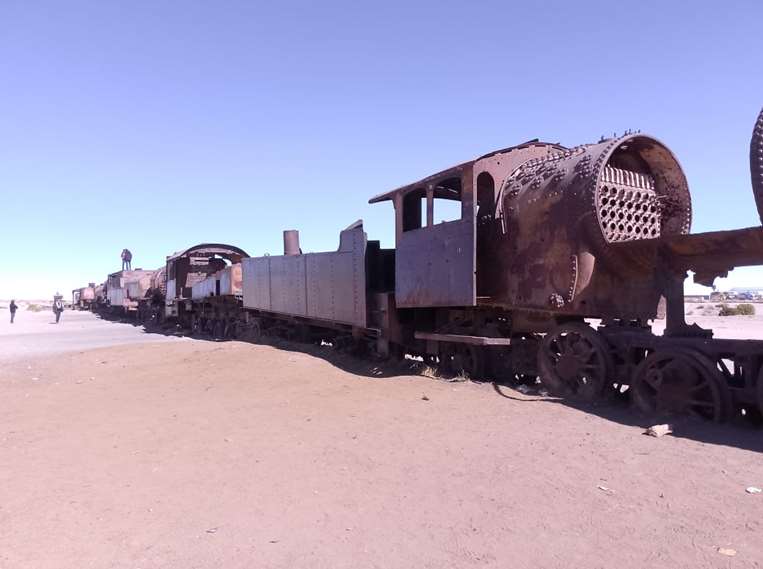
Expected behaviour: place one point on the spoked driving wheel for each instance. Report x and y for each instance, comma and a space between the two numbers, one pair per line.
680, 382
575, 362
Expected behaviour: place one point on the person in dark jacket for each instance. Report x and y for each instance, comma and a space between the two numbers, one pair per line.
58, 306
13, 307
126, 260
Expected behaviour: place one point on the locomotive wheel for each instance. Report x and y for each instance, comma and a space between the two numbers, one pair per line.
574, 362
254, 333
462, 359
682, 382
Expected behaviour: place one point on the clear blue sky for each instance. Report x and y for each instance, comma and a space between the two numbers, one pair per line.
155, 125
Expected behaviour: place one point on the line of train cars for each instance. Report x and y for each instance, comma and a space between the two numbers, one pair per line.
555, 263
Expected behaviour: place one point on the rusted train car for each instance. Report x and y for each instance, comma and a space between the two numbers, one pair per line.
124, 290
547, 262
543, 239
83, 298
204, 288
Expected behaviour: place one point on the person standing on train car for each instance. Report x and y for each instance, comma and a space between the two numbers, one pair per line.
126, 260
58, 307
13, 307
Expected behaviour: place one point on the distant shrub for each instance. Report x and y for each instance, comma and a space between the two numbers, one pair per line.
744, 309
34, 307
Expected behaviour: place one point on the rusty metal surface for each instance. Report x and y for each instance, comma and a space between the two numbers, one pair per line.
435, 266
204, 288
325, 286
336, 283
138, 285
256, 285
291, 242
171, 291
191, 266
231, 281
287, 285
227, 282
209, 249
159, 280
124, 286
708, 255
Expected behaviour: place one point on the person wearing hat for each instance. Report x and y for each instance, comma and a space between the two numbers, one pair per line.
58, 306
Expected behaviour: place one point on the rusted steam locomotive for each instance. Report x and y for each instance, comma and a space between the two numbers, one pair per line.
543, 239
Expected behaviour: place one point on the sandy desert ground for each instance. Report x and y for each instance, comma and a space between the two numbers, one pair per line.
131, 450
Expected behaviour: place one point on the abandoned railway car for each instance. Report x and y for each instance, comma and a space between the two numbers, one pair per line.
499, 266
124, 290
83, 298
204, 288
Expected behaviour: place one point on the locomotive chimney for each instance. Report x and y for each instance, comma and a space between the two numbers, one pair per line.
291, 242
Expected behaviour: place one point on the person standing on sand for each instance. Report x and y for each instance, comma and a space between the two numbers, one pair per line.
58, 307
13, 309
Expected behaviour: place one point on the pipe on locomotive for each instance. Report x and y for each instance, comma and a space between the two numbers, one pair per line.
291, 242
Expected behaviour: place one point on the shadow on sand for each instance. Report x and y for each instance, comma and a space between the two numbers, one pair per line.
740, 432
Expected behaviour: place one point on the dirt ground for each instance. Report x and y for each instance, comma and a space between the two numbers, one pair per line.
193, 454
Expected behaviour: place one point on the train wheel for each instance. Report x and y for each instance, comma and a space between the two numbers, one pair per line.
681, 382
254, 331
575, 362
463, 360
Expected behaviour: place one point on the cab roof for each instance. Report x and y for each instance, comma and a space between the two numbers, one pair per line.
455, 171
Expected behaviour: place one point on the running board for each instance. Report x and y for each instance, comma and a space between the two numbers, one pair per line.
461, 339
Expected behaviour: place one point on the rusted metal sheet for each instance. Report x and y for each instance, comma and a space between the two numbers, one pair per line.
137, 285
709, 255
171, 291
159, 280
204, 288
336, 281
325, 286
191, 266
227, 282
287, 285
231, 281
256, 285
124, 286
435, 266
116, 296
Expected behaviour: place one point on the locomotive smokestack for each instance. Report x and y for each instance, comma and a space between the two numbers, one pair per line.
756, 163
291, 242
